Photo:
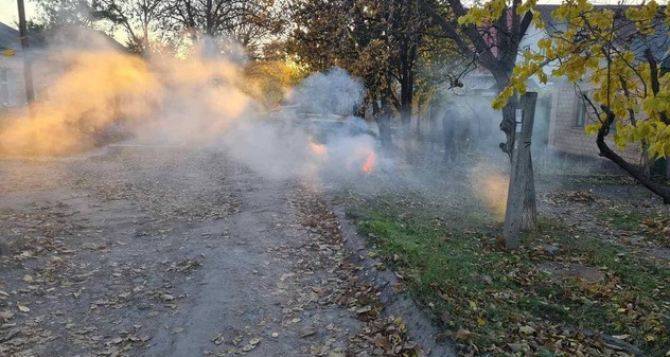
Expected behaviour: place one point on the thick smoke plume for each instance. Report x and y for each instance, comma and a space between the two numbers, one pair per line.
102, 95
98, 88
333, 92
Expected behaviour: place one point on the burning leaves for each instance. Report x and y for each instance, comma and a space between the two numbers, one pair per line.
318, 150
136, 230
369, 164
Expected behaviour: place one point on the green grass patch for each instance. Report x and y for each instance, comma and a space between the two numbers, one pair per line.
622, 219
654, 226
453, 265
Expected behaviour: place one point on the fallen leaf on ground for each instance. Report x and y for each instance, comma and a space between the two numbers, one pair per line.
463, 334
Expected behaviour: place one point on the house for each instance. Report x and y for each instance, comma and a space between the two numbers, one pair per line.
12, 89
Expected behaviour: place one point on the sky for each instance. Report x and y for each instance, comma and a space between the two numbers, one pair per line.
9, 14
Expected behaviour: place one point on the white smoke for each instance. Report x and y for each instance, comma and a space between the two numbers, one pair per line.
332, 92
198, 101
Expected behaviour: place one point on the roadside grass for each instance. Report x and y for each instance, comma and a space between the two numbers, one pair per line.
654, 227
492, 300
622, 219
586, 178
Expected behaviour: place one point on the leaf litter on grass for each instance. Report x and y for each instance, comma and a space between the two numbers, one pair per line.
565, 292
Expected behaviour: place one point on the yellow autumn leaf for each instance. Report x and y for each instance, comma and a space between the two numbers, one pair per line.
592, 129
8, 52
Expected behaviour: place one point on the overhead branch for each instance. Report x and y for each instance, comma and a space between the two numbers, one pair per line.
525, 23
605, 151
476, 45
483, 49
655, 86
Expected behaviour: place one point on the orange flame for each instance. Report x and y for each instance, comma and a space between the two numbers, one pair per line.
369, 163
317, 149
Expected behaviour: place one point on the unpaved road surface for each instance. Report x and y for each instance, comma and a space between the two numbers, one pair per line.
165, 252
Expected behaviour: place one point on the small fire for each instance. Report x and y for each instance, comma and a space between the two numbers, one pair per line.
317, 149
369, 163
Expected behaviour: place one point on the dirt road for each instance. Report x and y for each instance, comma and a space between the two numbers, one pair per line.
164, 252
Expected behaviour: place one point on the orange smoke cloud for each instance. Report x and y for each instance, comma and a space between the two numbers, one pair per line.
490, 186
98, 96
96, 90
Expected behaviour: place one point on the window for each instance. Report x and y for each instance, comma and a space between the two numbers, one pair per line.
580, 120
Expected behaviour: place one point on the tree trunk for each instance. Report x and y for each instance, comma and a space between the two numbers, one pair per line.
406, 94
385, 132
521, 211
27, 60
406, 91
508, 126
659, 189
384, 124
529, 215
145, 40
449, 136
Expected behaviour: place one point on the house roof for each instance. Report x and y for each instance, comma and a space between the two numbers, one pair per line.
9, 37
72, 36
80, 37
482, 82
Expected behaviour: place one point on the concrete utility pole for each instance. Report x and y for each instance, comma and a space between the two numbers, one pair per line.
27, 65
522, 172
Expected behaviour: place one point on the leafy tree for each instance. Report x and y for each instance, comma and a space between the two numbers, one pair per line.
491, 32
146, 23
249, 22
56, 13
139, 19
616, 51
382, 42
407, 32
351, 35
268, 81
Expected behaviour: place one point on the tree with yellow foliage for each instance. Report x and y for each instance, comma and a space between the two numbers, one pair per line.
616, 52
491, 33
